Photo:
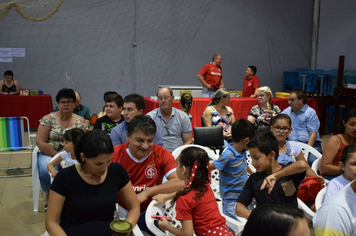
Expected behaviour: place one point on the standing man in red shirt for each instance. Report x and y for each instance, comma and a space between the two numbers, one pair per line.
251, 83
211, 76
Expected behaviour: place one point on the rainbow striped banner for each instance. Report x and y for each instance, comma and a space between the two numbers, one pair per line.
12, 134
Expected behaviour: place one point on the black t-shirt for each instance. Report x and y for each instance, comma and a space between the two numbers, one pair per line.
89, 209
285, 190
104, 123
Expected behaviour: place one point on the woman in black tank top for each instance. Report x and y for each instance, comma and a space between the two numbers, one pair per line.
9, 86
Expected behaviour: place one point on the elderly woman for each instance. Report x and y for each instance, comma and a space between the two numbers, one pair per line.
217, 113
49, 138
9, 86
261, 114
83, 196
329, 165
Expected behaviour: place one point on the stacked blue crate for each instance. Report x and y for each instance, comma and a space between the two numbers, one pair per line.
290, 79
333, 80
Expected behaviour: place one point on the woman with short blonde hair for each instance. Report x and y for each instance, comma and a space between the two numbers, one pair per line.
261, 114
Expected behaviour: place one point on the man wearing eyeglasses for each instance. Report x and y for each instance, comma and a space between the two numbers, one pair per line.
305, 122
79, 109
173, 124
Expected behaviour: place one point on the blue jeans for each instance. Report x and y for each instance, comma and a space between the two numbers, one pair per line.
142, 223
229, 208
45, 180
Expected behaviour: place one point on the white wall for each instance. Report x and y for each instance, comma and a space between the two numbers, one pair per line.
337, 34
87, 44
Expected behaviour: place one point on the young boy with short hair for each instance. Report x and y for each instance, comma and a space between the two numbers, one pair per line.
232, 165
272, 181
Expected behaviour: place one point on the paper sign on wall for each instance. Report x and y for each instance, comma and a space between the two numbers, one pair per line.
18, 52
5, 55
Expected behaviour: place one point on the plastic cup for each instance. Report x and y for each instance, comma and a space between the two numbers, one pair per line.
120, 228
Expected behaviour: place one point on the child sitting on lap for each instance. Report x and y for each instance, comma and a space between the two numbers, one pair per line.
68, 155
272, 181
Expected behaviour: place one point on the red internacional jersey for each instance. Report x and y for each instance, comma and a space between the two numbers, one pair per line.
146, 172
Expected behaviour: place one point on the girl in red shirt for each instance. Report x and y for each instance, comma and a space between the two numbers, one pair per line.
196, 206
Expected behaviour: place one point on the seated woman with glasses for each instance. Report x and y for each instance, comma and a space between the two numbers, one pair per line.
218, 113
49, 138
260, 115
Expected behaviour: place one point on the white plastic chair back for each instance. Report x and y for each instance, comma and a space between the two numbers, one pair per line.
319, 198
160, 210
306, 149
214, 173
307, 211
249, 161
55, 156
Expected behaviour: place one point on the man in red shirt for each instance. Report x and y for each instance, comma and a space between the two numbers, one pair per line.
146, 162
251, 83
211, 76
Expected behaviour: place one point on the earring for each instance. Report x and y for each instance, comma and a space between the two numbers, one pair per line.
83, 160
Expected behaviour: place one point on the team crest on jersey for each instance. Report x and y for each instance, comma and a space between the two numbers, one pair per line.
151, 171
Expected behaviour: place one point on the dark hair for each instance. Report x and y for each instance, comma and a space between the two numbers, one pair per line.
8, 72
349, 113
65, 93
266, 142
187, 158
73, 135
242, 129
115, 98
272, 219
143, 123
93, 144
280, 117
186, 101
347, 153
253, 69
301, 94
109, 93
138, 99
169, 89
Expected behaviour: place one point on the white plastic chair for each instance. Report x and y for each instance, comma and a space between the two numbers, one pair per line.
214, 173
307, 211
55, 156
319, 198
36, 186
306, 149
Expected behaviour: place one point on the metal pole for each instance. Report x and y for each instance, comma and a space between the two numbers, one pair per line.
314, 48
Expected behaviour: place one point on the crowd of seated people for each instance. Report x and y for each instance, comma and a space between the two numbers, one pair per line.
142, 144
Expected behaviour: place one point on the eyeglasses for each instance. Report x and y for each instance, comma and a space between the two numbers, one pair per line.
292, 99
261, 95
281, 129
63, 103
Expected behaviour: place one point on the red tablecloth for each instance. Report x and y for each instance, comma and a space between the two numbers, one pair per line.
34, 107
240, 106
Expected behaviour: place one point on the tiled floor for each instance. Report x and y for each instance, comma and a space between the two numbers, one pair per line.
16, 208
